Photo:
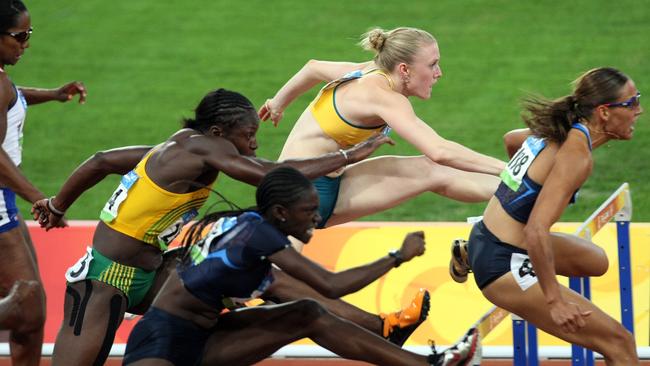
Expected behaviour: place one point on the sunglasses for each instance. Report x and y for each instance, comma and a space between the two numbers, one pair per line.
21, 37
632, 102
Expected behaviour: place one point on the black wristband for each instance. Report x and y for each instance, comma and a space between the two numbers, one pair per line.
395, 253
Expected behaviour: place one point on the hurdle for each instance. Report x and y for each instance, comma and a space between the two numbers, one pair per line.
619, 207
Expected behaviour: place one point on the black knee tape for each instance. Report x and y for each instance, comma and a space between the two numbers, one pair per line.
111, 329
78, 310
75, 304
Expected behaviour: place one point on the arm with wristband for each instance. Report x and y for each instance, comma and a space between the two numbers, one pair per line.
334, 285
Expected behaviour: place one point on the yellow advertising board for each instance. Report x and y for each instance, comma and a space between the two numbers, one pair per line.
455, 307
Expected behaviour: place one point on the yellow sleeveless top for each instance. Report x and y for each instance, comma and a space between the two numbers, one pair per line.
142, 210
344, 132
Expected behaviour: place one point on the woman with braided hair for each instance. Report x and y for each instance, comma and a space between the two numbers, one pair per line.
162, 188
229, 258
20, 282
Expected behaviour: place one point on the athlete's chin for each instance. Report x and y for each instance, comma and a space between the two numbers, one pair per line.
306, 236
424, 95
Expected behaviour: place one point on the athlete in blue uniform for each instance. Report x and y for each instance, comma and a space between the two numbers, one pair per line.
513, 254
228, 260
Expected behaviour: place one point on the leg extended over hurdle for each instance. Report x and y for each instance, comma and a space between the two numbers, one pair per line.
618, 207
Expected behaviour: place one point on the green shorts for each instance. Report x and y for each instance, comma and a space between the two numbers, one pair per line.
132, 281
328, 193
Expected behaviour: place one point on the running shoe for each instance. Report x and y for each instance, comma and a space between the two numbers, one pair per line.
459, 262
467, 352
398, 326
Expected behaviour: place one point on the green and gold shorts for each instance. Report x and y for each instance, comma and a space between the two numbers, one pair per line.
132, 281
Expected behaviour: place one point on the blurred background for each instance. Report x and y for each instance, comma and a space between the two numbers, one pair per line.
147, 64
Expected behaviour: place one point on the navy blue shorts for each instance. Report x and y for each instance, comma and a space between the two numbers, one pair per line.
8, 210
491, 258
160, 334
328, 193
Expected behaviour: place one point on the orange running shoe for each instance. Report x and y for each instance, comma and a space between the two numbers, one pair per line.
459, 262
399, 326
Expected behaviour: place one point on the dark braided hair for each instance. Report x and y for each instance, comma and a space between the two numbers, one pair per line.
223, 108
283, 186
552, 119
9, 12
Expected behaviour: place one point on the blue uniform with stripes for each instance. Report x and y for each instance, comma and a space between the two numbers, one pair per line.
518, 196
230, 264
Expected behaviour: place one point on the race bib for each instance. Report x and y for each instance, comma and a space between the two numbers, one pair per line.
79, 270
169, 234
516, 169
522, 269
109, 212
201, 250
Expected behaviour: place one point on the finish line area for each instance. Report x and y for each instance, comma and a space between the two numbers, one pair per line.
455, 307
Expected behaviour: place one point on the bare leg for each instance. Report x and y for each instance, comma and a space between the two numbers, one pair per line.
248, 336
286, 288
368, 187
17, 262
602, 333
12, 307
92, 312
575, 256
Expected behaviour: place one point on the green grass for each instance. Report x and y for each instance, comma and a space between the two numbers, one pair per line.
147, 64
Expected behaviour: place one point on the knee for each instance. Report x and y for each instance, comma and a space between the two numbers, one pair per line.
282, 289
600, 264
620, 346
34, 319
309, 310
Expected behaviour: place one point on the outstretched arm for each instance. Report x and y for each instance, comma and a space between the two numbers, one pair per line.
309, 76
397, 111
10, 175
224, 157
85, 176
514, 139
62, 94
571, 168
334, 285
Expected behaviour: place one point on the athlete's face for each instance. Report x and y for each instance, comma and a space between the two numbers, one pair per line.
15, 40
302, 217
624, 112
243, 136
424, 71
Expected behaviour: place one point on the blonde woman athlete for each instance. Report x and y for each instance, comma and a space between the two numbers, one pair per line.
359, 101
